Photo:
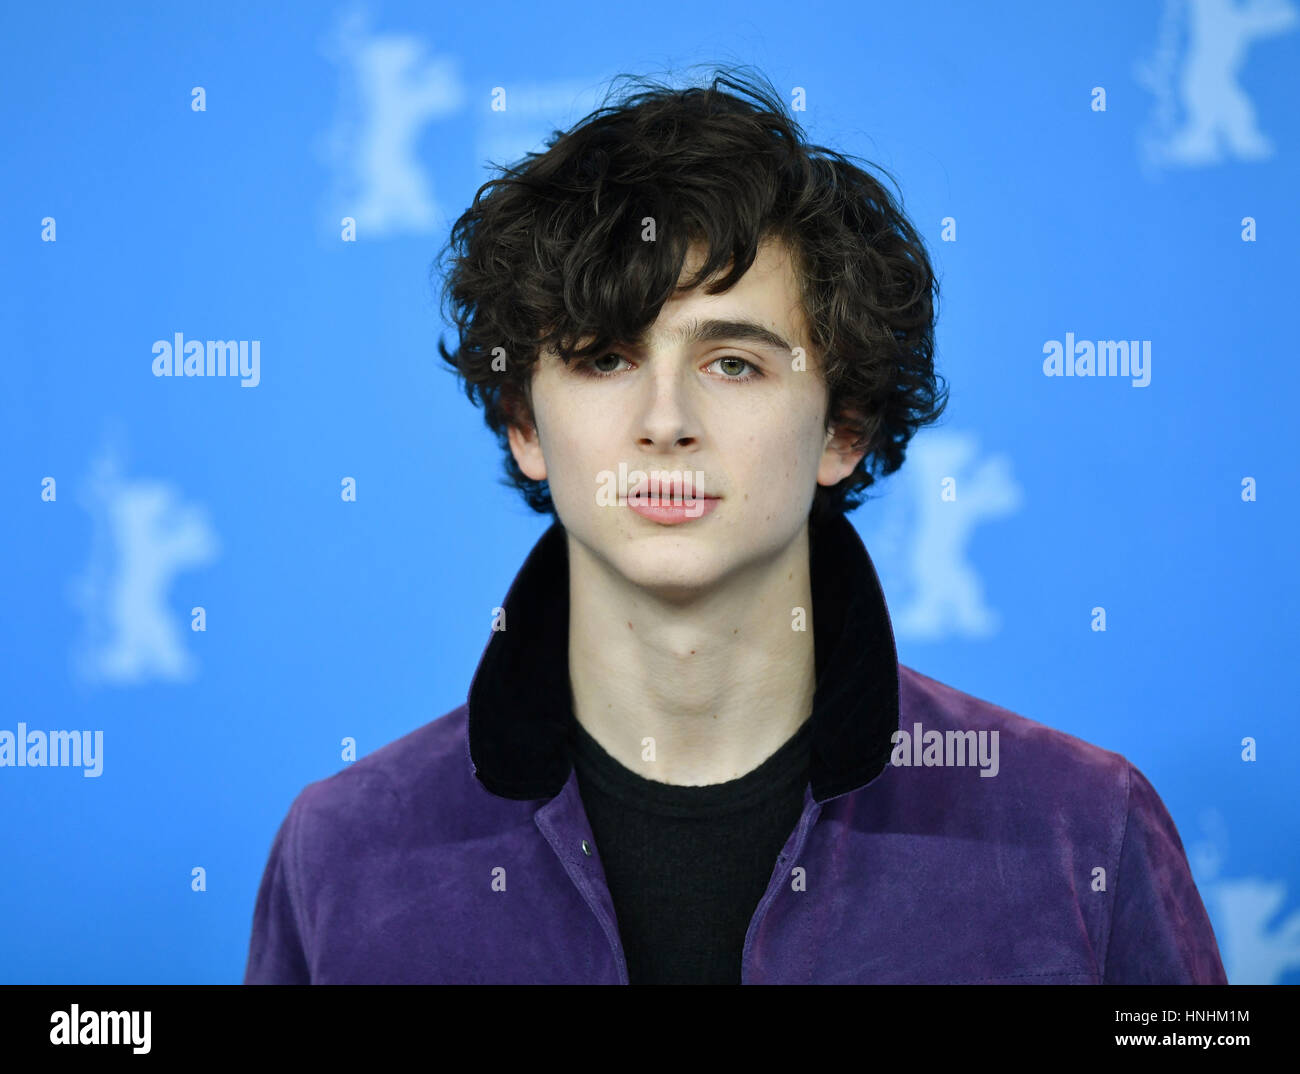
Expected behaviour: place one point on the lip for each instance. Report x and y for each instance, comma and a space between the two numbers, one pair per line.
673, 512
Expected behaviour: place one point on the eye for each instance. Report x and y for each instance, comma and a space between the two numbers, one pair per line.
593, 367
730, 367
732, 363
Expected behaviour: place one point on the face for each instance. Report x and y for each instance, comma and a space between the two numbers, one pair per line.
743, 415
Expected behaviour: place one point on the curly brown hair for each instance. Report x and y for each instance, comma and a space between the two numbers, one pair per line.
550, 253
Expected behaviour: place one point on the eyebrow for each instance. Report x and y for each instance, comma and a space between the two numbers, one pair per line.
716, 331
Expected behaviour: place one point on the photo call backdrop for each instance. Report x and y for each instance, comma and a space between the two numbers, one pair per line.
188, 581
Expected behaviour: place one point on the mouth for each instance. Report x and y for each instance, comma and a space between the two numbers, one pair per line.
669, 492
672, 511
669, 499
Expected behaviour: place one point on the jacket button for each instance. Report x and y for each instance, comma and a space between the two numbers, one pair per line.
586, 849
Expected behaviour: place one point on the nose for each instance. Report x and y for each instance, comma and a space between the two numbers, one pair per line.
667, 420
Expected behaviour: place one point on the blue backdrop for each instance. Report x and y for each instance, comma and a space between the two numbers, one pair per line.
1122, 171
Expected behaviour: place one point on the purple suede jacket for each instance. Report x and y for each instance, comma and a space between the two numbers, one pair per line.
461, 852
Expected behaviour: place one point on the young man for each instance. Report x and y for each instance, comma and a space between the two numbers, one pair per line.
689, 753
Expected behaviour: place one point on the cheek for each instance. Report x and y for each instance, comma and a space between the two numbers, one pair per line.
802, 440
554, 429
574, 455
781, 457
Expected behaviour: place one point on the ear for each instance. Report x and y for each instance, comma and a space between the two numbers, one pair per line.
525, 441
839, 457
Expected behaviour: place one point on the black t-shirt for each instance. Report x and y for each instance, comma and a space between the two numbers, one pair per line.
686, 866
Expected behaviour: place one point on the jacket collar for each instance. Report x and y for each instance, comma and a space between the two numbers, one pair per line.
520, 700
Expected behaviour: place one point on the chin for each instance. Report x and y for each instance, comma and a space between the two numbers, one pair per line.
669, 565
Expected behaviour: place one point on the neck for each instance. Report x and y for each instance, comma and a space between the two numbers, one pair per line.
718, 683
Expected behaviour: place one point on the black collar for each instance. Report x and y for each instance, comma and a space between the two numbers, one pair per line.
520, 700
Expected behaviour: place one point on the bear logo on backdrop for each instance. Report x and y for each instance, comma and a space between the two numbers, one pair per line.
144, 534
1202, 114
919, 536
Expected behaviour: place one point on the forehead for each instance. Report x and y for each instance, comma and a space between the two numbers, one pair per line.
772, 273
765, 307
769, 293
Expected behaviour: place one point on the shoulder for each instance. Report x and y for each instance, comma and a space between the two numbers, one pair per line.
394, 783
1028, 783
1075, 830
1031, 754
